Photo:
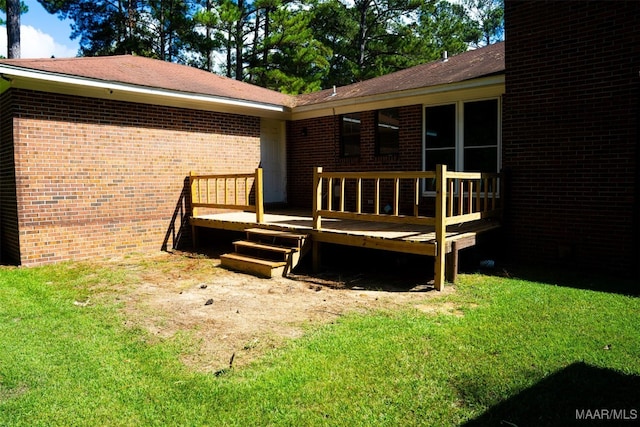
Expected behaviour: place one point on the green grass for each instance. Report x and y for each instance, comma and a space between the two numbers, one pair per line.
523, 352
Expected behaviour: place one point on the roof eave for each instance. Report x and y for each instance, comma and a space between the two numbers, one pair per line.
395, 99
23, 78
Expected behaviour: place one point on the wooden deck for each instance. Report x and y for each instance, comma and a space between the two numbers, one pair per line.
466, 205
406, 238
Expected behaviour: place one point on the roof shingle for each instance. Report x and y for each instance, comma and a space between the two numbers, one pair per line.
146, 72
472, 64
141, 71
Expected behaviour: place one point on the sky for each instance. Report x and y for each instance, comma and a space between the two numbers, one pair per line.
42, 35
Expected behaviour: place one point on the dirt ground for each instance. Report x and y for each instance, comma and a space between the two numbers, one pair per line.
235, 318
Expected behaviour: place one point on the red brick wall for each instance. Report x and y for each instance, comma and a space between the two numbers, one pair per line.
316, 142
101, 178
570, 132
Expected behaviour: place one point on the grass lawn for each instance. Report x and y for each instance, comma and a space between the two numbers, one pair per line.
498, 351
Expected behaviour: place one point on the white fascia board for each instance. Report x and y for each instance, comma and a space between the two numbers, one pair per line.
8, 72
396, 99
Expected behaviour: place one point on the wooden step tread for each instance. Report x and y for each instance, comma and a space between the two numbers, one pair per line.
253, 260
265, 247
276, 233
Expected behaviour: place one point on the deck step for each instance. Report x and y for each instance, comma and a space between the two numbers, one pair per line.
266, 252
244, 244
276, 237
253, 265
276, 233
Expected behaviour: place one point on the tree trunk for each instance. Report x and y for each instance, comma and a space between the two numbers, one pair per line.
209, 35
362, 36
239, 42
13, 29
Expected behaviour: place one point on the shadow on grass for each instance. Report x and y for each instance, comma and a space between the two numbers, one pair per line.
580, 394
572, 278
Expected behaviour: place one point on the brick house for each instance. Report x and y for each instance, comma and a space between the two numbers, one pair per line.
92, 163
94, 151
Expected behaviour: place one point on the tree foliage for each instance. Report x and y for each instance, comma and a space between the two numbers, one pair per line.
293, 46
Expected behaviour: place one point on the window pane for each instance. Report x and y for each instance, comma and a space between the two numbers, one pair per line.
481, 159
440, 125
440, 157
388, 131
350, 135
481, 123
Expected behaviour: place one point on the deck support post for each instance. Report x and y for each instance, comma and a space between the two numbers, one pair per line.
317, 198
452, 263
440, 226
259, 196
317, 256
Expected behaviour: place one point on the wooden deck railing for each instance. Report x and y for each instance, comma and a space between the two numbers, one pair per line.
324, 206
459, 197
228, 191
465, 196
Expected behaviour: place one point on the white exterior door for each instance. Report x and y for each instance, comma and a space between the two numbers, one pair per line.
273, 159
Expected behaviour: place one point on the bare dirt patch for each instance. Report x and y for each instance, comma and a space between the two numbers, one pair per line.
234, 317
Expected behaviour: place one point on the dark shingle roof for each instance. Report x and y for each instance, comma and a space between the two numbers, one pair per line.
146, 72
472, 64
141, 71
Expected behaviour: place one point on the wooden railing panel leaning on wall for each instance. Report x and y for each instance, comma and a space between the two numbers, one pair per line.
459, 197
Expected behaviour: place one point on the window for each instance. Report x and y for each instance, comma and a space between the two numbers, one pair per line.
463, 135
481, 136
388, 131
350, 135
440, 136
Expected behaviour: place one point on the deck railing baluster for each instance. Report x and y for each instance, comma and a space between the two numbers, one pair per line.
396, 196
376, 196
342, 182
246, 191
416, 200
450, 198
460, 196
359, 195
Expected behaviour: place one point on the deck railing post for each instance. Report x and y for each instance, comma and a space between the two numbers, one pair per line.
194, 193
317, 197
441, 228
192, 189
259, 196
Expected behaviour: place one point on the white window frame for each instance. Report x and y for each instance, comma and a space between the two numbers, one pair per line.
459, 139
